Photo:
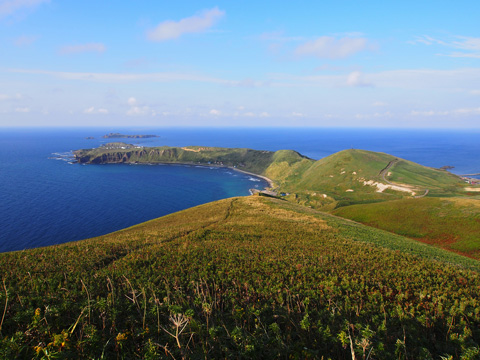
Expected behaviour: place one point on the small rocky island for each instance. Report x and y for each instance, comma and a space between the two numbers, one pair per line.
123, 136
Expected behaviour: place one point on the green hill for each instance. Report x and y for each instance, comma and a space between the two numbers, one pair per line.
359, 176
256, 161
450, 223
349, 169
248, 277
345, 178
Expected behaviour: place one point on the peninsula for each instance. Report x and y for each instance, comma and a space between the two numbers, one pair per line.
260, 277
345, 178
361, 185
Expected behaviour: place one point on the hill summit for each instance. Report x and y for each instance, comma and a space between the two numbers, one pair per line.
249, 277
344, 178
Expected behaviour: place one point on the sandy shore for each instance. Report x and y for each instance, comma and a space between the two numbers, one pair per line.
270, 181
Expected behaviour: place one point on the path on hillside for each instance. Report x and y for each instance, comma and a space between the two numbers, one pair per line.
425, 194
385, 171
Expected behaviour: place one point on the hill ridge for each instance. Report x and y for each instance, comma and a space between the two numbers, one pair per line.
249, 277
346, 177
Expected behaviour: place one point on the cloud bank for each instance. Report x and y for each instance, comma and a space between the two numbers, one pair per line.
170, 29
469, 46
82, 48
9, 7
328, 47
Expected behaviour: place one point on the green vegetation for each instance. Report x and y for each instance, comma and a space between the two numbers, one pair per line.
259, 277
251, 277
345, 178
255, 161
439, 182
451, 223
385, 189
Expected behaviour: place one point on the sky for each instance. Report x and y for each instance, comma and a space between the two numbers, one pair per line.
394, 64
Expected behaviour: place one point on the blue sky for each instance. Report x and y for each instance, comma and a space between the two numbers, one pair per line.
240, 63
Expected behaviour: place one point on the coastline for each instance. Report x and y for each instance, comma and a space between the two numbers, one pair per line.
269, 181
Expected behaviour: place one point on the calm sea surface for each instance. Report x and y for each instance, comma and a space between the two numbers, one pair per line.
46, 200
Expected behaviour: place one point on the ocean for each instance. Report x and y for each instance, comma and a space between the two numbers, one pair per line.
46, 200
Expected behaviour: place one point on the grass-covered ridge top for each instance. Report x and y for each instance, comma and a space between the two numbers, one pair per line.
349, 176
451, 223
248, 277
256, 161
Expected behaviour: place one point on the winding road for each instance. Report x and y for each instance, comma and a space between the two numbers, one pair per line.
385, 170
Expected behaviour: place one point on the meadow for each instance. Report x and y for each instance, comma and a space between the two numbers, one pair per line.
450, 223
251, 277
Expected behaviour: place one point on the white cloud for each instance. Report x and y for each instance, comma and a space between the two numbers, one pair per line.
264, 114
379, 104
22, 109
9, 7
328, 47
215, 112
475, 92
126, 77
355, 78
468, 111
6, 97
469, 45
426, 40
170, 29
386, 114
25, 40
93, 110
297, 114
82, 48
456, 80
140, 111
423, 113
248, 83
430, 113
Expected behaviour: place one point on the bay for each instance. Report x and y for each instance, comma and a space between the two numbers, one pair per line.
44, 200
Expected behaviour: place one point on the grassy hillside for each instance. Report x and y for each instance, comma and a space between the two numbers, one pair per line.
450, 223
256, 161
345, 178
359, 176
241, 278
438, 182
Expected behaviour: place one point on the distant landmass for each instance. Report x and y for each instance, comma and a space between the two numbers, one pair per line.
124, 136
345, 178
336, 182
260, 277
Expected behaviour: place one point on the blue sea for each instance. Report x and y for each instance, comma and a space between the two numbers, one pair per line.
45, 199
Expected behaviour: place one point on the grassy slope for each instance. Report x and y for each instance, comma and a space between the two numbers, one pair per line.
451, 223
346, 169
437, 181
341, 177
294, 173
338, 181
256, 161
252, 277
